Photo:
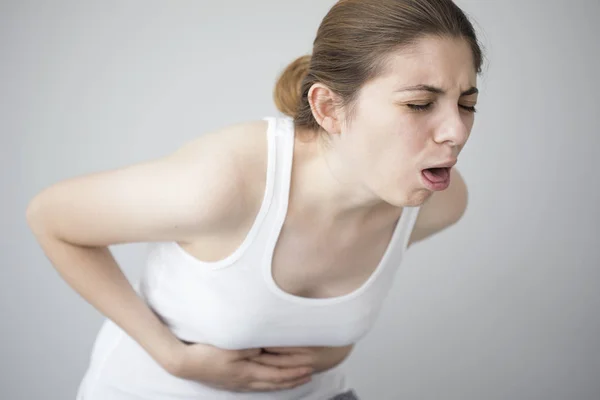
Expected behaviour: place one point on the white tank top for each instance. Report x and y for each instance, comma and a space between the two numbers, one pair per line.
234, 303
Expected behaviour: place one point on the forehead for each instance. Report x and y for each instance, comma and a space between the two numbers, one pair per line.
441, 62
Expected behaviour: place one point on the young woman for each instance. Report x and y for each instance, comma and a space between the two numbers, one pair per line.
274, 242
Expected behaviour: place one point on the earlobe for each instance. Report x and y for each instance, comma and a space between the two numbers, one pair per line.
330, 125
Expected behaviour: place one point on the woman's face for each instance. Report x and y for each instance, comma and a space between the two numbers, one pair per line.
417, 115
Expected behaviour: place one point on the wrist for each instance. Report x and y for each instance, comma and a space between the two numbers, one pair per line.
173, 357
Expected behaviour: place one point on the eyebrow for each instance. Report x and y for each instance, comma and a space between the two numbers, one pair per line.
433, 89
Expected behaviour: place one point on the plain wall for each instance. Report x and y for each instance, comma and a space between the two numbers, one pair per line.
503, 305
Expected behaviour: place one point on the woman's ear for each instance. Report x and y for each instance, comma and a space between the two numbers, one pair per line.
323, 102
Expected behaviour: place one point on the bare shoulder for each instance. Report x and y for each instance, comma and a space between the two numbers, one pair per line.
240, 143
236, 158
201, 187
248, 144
236, 153
442, 209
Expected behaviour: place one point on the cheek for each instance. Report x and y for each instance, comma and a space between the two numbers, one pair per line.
393, 162
388, 147
408, 143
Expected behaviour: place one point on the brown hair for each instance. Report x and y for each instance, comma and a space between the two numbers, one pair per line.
352, 45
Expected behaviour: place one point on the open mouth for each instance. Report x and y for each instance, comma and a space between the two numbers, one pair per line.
436, 178
436, 175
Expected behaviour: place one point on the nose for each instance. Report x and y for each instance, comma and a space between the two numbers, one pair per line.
453, 130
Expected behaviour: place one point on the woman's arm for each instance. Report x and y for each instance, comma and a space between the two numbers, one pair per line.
193, 190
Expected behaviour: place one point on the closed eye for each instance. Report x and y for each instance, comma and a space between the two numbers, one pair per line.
425, 107
419, 107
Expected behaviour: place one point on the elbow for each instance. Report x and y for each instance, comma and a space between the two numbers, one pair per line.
34, 214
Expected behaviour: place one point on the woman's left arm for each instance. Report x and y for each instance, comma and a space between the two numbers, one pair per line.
442, 209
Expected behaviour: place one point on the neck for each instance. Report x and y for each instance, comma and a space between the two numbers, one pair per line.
327, 189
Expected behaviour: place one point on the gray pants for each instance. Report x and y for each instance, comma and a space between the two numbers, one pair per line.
349, 395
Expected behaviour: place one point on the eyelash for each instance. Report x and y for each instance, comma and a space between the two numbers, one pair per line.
417, 107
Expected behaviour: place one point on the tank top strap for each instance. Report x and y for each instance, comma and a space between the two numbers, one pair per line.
280, 139
408, 225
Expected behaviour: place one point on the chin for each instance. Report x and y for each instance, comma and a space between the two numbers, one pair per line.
417, 198
411, 199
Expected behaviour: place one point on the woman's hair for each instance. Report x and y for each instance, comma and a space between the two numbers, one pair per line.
353, 43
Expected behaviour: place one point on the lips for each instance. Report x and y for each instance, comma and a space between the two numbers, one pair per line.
446, 164
437, 177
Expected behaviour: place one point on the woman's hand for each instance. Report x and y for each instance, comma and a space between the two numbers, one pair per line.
318, 358
234, 370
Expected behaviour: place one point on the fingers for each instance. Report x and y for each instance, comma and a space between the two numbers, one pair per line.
284, 360
268, 374
289, 350
248, 353
268, 386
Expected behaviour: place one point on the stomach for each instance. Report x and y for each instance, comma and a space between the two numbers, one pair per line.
120, 369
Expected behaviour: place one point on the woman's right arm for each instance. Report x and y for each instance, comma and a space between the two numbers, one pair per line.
192, 191
199, 189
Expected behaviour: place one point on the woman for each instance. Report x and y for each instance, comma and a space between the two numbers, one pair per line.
274, 242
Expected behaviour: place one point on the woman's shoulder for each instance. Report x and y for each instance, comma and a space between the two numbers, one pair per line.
205, 186
237, 157
240, 140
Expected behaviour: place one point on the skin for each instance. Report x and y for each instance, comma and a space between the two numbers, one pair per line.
374, 161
